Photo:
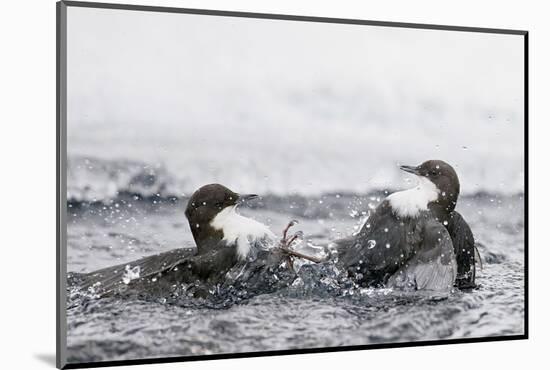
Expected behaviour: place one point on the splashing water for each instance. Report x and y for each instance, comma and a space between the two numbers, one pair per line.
132, 273
305, 310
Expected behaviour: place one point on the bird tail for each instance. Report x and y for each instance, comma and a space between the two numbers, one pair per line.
478, 257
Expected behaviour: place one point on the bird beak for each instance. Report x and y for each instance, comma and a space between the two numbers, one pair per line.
411, 169
246, 197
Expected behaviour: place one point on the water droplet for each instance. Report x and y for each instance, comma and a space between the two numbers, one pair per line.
388, 245
371, 244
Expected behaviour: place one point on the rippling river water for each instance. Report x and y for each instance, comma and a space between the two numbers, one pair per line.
295, 317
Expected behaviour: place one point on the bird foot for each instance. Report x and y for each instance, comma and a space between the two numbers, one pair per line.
286, 243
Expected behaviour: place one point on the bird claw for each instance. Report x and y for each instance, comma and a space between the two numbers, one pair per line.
286, 243
288, 226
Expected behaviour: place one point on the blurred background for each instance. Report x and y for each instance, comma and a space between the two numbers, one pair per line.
163, 103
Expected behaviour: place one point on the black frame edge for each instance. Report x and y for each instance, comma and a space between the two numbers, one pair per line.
304, 351
526, 181
227, 13
61, 265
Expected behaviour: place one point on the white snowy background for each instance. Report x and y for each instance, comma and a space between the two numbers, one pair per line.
291, 107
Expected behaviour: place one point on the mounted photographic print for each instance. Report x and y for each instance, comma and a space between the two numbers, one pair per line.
238, 184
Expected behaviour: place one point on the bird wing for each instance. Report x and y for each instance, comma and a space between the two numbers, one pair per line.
464, 248
196, 275
108, 279
384, 243
433, 265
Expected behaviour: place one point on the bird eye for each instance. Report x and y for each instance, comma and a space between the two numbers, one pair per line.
434, 173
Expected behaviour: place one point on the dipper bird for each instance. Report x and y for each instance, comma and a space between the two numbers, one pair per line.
222, 236
414, 238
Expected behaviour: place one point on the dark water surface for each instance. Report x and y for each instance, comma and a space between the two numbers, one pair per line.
295, 317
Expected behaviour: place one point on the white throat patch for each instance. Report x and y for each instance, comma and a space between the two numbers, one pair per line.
408, 203
241, 230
